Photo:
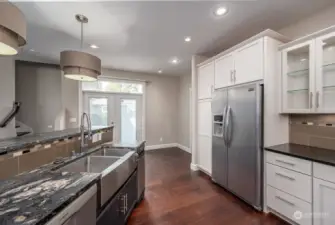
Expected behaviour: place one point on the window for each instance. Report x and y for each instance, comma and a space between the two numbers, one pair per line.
113, 86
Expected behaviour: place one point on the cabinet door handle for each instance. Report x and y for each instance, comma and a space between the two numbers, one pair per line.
231, 75
311, 100
285, 162
284, 200
317, 99
234, 76
285, 176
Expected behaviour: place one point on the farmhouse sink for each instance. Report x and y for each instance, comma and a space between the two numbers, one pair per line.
115, 168
111, 152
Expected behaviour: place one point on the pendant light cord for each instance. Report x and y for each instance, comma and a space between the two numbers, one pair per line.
82, 36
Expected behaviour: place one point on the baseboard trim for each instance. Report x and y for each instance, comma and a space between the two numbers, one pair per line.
204, 170
154, 147
194, 167
170, 145
182, 147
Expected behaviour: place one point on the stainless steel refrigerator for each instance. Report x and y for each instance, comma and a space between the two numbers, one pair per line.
237, 141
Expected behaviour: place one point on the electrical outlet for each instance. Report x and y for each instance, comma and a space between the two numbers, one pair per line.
161, 139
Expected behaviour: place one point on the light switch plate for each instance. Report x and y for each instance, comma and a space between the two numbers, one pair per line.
73, 120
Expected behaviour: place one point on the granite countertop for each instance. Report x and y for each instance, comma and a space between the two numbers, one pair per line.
17, 143
314, 154
33, 198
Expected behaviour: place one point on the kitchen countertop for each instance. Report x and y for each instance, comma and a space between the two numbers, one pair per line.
33, 198
314, 154
17, 143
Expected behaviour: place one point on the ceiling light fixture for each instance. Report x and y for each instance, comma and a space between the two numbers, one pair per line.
160, 71
79, 65
94, 46
13, 29
174, 61
187, 39
221, 11
32, 50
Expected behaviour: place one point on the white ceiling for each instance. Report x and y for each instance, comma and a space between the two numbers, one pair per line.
144, 36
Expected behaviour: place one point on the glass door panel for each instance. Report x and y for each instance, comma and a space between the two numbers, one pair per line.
297, 78
326, 73
98, 111
128, 120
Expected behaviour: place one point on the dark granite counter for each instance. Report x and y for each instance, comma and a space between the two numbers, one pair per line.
17, 143
314, 154
33, 198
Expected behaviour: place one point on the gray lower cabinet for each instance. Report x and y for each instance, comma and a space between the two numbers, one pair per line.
120, 208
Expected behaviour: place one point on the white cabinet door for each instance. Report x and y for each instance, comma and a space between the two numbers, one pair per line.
298, 78
325, 74
205, 81
224, 69
204, 155
205, 118
249, 62
324, 202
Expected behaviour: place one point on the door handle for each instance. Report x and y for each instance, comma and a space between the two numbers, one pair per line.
228, 124
234, 76
284, 200
311, 100
317, 99
231, 76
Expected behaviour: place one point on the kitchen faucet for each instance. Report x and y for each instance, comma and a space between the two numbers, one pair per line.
82, 131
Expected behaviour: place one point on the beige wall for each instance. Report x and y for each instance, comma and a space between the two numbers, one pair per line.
162, 97
318, 21
7, 93
184, 110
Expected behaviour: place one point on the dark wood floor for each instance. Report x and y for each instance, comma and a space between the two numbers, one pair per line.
176, 196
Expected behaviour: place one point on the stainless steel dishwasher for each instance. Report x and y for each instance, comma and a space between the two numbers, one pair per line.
82, 211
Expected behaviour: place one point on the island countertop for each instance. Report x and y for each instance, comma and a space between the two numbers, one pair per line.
17, 143
34, 198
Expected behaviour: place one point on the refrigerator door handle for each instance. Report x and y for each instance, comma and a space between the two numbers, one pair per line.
224, 125
228, 132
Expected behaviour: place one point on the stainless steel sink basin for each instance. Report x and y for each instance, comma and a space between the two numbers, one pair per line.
114, 166
90, 164
111, 152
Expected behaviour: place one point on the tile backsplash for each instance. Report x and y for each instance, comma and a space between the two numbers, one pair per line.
313, 130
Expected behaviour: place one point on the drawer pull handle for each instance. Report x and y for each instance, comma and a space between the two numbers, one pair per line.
282, 161
284, 200
286, 176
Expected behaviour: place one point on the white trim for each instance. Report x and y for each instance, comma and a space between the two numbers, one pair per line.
203, 169
182, 147
154, 147
194, 167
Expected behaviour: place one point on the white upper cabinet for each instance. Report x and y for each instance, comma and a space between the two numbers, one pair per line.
308, 74
224, 71
206, 81
298, 78
325, 73
249, 62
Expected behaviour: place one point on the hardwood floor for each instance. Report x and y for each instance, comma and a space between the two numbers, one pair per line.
176, 196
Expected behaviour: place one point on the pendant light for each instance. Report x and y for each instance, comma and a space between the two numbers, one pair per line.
78, 65
12, 29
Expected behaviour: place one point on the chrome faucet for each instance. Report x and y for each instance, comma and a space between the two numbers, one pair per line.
82, 131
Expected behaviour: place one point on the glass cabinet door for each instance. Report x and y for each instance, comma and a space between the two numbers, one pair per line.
325, 73
298, 75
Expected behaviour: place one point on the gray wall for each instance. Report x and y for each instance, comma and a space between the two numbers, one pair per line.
318, 21
7, 93
184, 110
38, 87
162, 96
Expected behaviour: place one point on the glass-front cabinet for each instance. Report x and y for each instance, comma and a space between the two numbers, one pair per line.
325, 73
298, 78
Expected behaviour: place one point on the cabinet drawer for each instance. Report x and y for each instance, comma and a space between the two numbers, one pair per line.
292, 163
294, 183
289, 206
324, 172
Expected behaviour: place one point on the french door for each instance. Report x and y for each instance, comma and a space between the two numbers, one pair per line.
123, 110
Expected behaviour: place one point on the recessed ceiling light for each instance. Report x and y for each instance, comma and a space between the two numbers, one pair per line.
174, 61
187, 39
303, 59
160, 71
32, 50
220, 11
94, 46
